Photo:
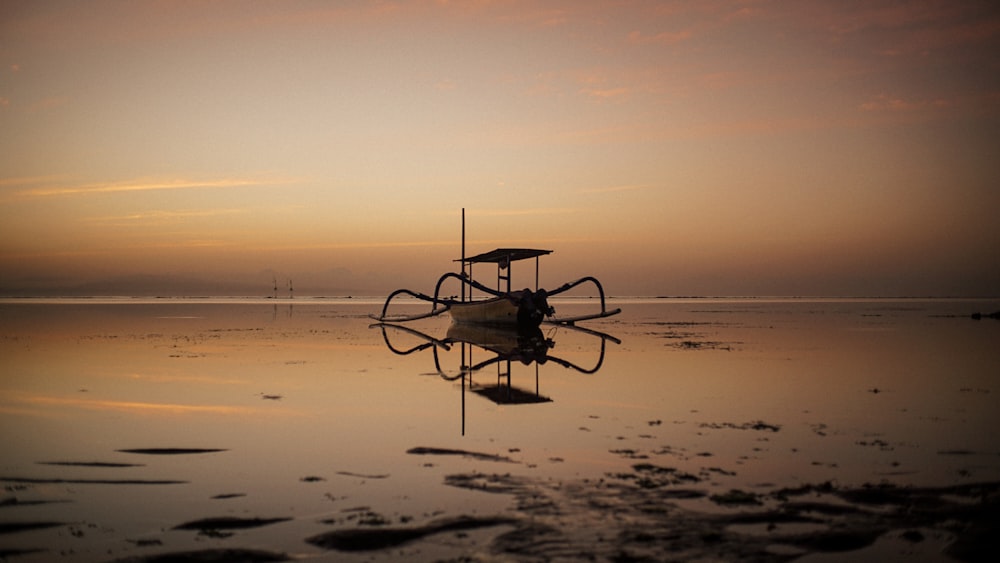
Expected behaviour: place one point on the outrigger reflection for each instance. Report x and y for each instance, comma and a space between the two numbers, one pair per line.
503, 347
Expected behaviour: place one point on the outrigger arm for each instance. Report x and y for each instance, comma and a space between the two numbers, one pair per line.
600, 290
440, 305
445, 303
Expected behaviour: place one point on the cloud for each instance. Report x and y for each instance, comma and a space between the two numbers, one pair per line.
46, 104
615, 189
605, 93
28, 180
884, 102
523, 211
144, 185
662, 38
446, 85
161, 217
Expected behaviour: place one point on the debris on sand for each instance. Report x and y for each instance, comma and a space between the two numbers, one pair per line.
703, 345
755, 425
17, 527
38, 480
623, 519
107, 464
420, 450
209, 556
14, 501
228, 523
736, 497
11, 553
369, 539
994, 315
364, 475
171, 451
650, 476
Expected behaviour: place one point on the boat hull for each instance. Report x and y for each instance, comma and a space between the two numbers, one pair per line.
497, 311
518, 309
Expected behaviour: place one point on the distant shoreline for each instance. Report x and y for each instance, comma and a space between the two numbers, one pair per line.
368, 299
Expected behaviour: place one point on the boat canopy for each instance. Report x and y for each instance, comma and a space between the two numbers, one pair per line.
504, 256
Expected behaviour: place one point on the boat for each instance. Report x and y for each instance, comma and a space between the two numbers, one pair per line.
525, 308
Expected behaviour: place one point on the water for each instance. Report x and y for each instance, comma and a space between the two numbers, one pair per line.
311, 418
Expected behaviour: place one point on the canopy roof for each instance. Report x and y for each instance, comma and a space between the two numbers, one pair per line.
505, 255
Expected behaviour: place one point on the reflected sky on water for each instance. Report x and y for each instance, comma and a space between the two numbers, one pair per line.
315, 410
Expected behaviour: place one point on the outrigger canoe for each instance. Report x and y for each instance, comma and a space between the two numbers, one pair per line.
523, 308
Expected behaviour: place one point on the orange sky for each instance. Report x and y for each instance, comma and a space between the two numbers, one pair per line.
670, 148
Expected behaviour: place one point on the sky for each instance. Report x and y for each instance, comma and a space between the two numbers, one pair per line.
716, 147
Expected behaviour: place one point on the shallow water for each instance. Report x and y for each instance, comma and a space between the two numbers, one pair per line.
301, 412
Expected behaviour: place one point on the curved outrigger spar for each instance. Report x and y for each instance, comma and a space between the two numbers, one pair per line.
524, 307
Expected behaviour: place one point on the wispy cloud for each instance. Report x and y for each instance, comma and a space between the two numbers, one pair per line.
605, 93
22, 181
662, 38
145, 185
49, 103
162, 217
885, 102
355, 245
614, 189
523, 211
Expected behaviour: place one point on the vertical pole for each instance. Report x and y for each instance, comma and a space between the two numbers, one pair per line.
463, 258
536, 273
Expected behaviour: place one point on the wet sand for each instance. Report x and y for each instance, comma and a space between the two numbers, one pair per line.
716, 430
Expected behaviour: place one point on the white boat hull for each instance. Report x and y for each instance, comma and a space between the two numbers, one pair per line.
497, 311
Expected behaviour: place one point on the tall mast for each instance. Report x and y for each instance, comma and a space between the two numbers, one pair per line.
463, 258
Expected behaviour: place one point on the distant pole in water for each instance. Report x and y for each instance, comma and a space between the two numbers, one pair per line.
291, 291
275, 281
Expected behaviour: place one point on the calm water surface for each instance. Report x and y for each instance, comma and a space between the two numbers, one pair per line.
302, 411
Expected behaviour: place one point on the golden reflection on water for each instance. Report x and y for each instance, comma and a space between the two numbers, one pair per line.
316, 414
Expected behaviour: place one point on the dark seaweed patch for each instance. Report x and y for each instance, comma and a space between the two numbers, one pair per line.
365, 539
171, 451
621, 519
755, 425
736, 497
462, 453
14, 501
108, 464
363, 475
209, 556
93, 481
703, 345
228, 523
16, 527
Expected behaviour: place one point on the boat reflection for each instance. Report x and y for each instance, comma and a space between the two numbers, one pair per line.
504, 347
